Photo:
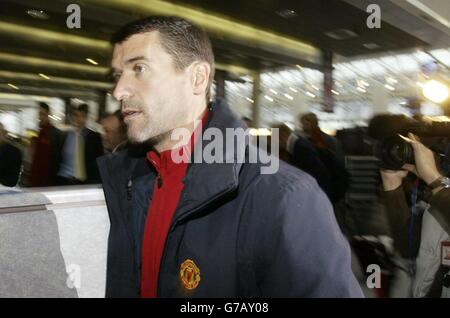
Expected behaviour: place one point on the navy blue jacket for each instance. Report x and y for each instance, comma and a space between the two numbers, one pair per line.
250, 234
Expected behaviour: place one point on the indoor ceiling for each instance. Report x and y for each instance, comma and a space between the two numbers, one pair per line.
45, 56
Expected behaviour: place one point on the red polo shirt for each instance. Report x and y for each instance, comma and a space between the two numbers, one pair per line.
166, 195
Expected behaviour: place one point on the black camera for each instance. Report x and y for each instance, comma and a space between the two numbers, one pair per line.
391, 149
394, 152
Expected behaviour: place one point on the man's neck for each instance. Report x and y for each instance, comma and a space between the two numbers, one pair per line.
166, 142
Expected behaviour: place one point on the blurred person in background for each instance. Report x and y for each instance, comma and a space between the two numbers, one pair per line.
330, 153
248, 121
47, 151
10, 160
301, 153
321, 140
82, 147
114, 136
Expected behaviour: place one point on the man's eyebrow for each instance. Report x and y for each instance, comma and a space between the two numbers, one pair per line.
129, 61
137, 58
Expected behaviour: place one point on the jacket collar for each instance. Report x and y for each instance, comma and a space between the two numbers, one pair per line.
206, 183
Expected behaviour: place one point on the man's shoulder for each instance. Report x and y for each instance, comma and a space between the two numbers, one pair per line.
120, 158
124, 161
286, 179
289, 197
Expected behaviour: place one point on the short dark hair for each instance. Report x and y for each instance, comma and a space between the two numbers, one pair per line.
184, 41
310, 117
384, 125
83, 108
44, 106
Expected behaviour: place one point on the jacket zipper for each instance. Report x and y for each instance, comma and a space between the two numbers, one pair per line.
172, 228
160, 181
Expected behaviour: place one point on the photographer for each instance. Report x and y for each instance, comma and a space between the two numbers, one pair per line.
420, 237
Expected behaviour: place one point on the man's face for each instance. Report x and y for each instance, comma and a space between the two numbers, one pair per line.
79, 119
154, 95
113, 133
307, 126
43, 117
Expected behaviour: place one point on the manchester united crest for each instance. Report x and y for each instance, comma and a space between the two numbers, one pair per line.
189, 274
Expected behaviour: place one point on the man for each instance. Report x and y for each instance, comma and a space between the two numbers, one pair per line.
114, 136
10, 161
310, 126
303, 155
81, 149
47, 148
205, 230
330, 153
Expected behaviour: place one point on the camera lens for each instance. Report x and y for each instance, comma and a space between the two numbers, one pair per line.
395, 152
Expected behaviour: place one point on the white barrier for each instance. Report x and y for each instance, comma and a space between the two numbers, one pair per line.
53, 242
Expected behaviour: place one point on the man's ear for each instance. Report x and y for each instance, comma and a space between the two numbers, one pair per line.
200, 77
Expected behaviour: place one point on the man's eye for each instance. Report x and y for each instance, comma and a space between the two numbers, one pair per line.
139, 68
116, 76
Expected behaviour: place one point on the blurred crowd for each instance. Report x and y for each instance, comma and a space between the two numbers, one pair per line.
410, 191
394, 210
56, 157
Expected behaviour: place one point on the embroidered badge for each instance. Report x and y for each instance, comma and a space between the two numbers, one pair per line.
189, 274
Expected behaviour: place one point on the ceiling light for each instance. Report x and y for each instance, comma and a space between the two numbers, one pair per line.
371, 46
13, 86
391, 80
334, 92
268, 98
44, 76
341, 34
288, 96
390, 87
363, 83
273, 91
37, 14
91, 61
435, 91
250, 100
287, 13
293, 89
310, 94
299, 67
315, 87
362, 90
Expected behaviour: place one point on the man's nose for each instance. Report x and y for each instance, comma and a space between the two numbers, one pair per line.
122, 90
